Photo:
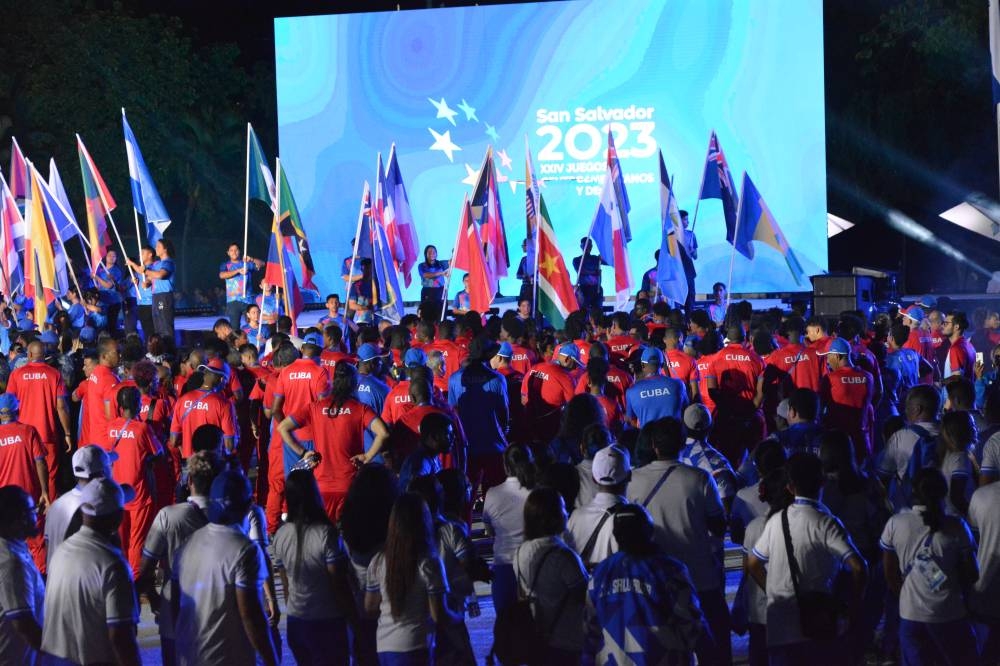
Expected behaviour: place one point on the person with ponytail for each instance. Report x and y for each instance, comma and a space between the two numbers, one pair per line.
338, 425
407, 587
503, 514
930, 563
310, 558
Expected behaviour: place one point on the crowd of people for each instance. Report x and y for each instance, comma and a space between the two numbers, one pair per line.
855, 462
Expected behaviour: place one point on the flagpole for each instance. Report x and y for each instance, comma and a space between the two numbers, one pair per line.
114, 228
454, 251
537, 201
135, 212
281, 245
704, 162
732, 255
246, 212
354, 256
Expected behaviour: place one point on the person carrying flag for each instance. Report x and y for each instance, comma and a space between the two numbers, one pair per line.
589, 292
236, 274
162, 274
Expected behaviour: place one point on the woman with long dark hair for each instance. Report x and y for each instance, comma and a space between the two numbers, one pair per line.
407, 587
503, 514
364, 522
930, 562
551, 574
312, 563
581, 411
338, 426
433, 274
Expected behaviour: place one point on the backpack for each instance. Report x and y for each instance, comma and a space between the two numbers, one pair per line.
516, 636
924, 455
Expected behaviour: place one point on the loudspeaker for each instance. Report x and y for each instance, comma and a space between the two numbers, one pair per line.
833, 294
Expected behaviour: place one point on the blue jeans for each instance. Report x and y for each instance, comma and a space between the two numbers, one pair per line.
952, 643
418, 658
234, 313
318, 641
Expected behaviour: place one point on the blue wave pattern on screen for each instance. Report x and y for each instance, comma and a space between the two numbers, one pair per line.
444, 84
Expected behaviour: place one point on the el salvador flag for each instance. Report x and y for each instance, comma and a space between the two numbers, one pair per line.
145, 199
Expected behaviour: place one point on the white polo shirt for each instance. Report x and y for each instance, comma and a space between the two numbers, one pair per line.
755, 599
310, 592
208, 568
57, 520
896, 456
991, 455
588, 487
169, 531
983, 516
503, 513
958, 465
681, 509
22, 594
584, 521
820, 544
746, 507
905, 534
89, 588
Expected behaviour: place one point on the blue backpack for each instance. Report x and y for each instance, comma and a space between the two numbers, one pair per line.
924, 455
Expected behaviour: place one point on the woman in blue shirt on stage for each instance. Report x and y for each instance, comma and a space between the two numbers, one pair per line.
433, 274
162, 272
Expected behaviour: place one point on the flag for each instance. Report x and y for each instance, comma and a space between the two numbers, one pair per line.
756, 223
487, 214
56, 219
18, 171
609, 238
671, 280
482, 283
71, 228
260, 180
145, 199
399, 227
618, 179
279, 274
290, 225
717, 183
40, 280
556, 296
531, 197
99, 204
11, 226
372, 243
994, 18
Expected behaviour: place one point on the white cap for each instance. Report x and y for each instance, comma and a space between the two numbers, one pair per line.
91, 460
611, 466
102, 497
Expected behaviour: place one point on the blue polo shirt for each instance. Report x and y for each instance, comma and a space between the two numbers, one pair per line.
479, 395
655, 398
907, 363
372, 392
113, 274
164, 285
234, 285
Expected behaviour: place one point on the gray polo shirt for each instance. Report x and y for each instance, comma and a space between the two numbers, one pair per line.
58, 519
89, 588
215, 561
411, 630
983, 516
305, 555
584, 522
22, 594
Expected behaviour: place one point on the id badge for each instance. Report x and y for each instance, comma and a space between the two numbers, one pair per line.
929, 570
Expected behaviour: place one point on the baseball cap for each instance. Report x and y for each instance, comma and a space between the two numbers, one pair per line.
505, 350
216, 366
569, 350
91, 460
414, 356
229, 498
927, 302
697, 417
102, 497
782, 409
837, 346
314, 339
49, 338
611, 466
88, 334
913, 312
26, 324
483, 348
652, 355
8, 402
368, 352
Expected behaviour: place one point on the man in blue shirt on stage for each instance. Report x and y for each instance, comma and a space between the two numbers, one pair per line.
239, 291
654, 396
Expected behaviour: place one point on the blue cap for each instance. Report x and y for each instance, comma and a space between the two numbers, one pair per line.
837, 346
49, 338
569, 350
8, 402
653, 355
368, 352
414, 356
26, 324
314, 338
88, 334
913, 312
506, 350
229, 498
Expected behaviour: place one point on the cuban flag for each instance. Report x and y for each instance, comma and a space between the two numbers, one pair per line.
145, 199
608, 233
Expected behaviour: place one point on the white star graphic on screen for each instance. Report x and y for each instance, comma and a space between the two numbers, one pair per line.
470, 113
505, 161
513, 186
444, 143
443, 110
471, 176
492, 132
